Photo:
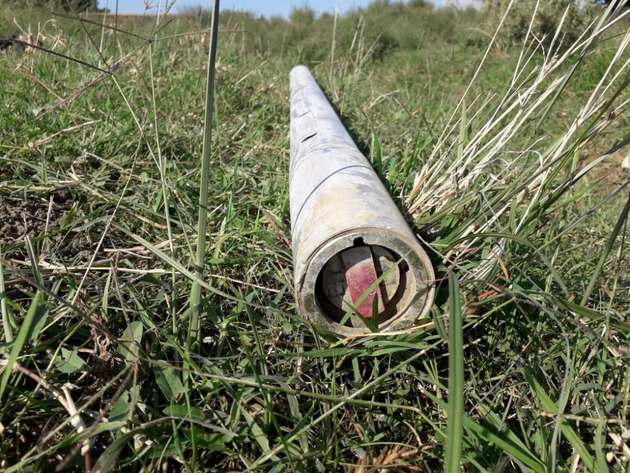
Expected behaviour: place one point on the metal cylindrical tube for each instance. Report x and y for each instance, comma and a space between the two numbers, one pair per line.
355, 258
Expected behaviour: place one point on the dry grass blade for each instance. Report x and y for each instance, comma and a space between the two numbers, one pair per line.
105, 74
487, 173
394, 459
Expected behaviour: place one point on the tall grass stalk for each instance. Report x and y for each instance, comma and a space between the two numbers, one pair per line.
202, 221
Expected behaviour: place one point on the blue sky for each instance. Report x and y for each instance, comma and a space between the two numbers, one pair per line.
262, 7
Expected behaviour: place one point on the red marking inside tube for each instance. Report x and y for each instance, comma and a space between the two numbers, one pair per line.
360, 275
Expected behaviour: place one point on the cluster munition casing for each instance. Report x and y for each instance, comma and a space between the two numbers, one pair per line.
354, 256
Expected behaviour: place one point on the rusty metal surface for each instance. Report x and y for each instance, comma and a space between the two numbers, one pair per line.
336, 281
360, 275
338, 202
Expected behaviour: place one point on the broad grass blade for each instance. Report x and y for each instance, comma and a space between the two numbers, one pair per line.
454, 428
20, 341
7, 317
568, 432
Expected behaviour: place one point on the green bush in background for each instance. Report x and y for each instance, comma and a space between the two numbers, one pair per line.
541, 19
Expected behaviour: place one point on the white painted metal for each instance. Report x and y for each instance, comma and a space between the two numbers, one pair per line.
338, 202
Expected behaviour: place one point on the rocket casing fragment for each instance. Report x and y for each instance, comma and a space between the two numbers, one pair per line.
338, 203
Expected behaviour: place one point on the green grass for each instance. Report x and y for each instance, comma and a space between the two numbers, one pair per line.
522, 365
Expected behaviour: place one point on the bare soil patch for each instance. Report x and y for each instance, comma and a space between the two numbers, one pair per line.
28, 216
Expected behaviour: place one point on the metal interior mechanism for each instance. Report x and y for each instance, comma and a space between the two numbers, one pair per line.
353, 272
357, 264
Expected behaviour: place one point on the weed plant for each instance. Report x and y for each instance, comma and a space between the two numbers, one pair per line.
503, 154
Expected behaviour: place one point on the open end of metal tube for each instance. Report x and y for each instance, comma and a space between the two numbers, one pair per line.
361, 280
364, 284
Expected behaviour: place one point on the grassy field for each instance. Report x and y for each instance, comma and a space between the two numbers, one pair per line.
503, 150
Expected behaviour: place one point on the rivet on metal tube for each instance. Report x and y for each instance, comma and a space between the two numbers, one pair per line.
353, 251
